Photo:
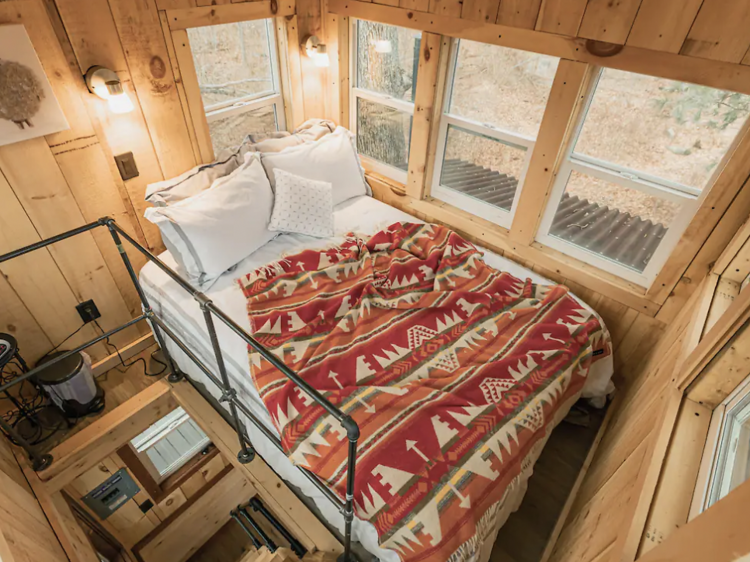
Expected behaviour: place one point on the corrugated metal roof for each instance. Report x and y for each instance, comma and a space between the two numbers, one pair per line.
619, 236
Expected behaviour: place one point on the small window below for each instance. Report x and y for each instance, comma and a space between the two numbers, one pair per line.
385, 60
728, 449
169, 443
493, 109
629, 185
238, 75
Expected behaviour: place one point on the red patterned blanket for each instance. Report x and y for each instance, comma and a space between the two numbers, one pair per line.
453, 371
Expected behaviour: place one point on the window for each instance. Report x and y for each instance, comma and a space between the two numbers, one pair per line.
169, 444
238, 75
729, 451
493, 109
645, 149
384, 66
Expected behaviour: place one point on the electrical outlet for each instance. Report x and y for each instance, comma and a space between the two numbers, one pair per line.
88, 311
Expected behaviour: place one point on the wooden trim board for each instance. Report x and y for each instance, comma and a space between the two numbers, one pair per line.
229, 13
110, 432
134, 348
716, 74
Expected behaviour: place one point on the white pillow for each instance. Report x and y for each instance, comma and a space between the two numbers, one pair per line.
216, 229
192, 182
332, 159
302, 205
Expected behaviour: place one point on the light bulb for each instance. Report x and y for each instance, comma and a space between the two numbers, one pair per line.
120, 103
321, 60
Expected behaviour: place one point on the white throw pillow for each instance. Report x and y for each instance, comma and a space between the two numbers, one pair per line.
192, 182
302, 205
332, 159
211, 232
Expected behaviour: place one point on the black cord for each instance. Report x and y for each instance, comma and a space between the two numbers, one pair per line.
51, 351
128, 365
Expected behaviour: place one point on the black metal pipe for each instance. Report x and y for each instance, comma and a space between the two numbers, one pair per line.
177, 278
245, 455
256, 543
257, 528
67, 354
174, 375
296, 546
48, 241
352, 431
271, 358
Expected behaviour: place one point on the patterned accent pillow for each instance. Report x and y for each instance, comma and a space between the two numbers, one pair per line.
302, 205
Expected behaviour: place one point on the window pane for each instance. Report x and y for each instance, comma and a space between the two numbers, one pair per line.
231, 130
619, 223
669, 129
733, 462
503, 87
232, 60
383, 133
482, 167
387, 58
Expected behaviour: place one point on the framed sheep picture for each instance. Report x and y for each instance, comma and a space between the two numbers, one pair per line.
28, 107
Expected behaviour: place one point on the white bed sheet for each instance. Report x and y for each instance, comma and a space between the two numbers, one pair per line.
182, 314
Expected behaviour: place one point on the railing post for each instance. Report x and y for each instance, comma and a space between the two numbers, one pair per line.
175, 374
228, 394
352, 433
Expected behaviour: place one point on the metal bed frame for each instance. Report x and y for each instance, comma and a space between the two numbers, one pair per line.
246, 454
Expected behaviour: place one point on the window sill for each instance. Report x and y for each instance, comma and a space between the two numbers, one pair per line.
496, 238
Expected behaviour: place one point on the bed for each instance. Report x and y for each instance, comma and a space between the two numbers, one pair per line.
363, 215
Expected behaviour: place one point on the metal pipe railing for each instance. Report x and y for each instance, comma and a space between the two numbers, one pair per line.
228, 393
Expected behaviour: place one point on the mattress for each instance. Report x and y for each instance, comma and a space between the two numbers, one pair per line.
363, 215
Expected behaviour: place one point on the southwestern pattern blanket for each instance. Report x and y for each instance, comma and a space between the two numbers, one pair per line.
455, 373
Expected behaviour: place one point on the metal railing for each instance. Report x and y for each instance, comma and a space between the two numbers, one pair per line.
246, 454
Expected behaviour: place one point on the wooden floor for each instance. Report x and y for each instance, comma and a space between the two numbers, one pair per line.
525, 535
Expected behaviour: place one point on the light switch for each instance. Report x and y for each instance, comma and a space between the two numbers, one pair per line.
126, 165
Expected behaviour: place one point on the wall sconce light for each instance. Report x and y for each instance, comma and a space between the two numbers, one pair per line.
383, 46
106, 84
317, 51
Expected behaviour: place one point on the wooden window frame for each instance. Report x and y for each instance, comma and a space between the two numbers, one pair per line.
508, 138
571, 88
355, 93
630, 178
178, 21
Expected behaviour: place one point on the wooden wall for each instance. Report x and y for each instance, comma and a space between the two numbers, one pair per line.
61, 181
25, 533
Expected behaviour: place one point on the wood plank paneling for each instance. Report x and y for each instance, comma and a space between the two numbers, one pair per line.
37, 280
93, 36
561, 16
36, 179
424, 108
609, 20
142, 40
25, 533
663, 25
518, 13
720, 31
480, 10
450, 8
